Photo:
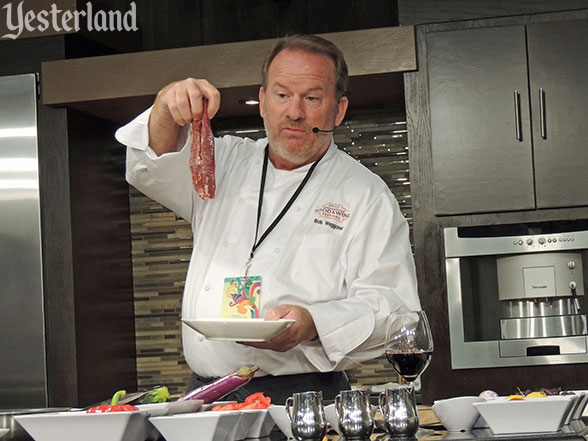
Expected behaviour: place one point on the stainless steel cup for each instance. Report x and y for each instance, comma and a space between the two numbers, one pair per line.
355, 414
398, 408
307, 415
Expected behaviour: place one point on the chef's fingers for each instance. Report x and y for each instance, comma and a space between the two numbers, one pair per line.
212, 94
189, 99
182, 105
198, 90
166, 103
278, 312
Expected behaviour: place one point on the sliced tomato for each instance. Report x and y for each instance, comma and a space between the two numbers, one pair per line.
260, 398
247, 406
229, 406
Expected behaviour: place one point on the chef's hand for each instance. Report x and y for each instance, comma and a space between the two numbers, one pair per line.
303, 329
176, 105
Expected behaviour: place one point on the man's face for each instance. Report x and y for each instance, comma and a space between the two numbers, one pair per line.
299, 95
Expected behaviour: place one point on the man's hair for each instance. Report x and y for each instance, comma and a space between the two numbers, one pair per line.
314, 45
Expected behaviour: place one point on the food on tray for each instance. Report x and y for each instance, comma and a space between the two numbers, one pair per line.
113, 406
159, 395
254, 401
223, 386
488, 394
541, 393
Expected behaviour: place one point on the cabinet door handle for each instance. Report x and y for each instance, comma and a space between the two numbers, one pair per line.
517, 109
543, 123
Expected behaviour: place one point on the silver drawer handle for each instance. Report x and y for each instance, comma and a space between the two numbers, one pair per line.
542, 121
517, 109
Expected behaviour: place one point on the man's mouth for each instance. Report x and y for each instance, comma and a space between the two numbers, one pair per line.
290, 129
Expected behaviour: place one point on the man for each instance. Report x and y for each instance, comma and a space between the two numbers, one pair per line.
338, 258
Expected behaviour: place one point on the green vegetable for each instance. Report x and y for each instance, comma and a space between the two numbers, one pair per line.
159, 395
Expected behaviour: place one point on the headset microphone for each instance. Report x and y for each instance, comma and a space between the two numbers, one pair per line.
317, 130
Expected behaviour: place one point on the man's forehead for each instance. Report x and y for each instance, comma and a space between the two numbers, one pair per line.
296, 61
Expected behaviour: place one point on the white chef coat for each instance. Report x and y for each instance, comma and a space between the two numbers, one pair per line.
342, 250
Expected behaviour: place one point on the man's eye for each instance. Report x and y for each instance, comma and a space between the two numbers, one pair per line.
312, 98
282, 95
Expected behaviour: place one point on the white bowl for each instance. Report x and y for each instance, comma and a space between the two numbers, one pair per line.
531, 415
3, 432
203, 426
254, 423
332, 417
76, 426
457, 414
278, 414
580, 406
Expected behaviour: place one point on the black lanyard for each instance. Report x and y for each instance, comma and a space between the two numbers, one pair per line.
256, 242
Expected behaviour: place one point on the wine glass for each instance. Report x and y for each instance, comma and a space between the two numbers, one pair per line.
409, 343
409, 348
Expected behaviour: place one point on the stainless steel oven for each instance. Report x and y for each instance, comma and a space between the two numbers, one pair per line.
516, 294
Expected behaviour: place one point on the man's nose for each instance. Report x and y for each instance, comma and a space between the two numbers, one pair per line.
295, 109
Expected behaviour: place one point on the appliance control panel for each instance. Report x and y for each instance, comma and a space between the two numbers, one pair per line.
456, 246
543, 241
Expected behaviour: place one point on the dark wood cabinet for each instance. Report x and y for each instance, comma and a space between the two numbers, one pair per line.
558, 63
441, 380
507, 104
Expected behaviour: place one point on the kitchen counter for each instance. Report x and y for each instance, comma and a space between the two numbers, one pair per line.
438, 435
432, 430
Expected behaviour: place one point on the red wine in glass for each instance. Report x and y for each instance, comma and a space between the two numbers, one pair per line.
409, 343
409, 364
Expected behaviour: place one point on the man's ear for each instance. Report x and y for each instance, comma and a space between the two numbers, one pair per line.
341, 110
261, 97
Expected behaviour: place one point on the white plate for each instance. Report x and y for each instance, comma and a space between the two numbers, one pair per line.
580, 407
531, 415
171, 407
254, 423
77, 426
201, 426
239, 329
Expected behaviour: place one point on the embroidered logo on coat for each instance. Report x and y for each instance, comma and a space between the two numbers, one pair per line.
332, 215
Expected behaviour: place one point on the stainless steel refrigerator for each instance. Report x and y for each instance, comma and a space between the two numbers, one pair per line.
23, 381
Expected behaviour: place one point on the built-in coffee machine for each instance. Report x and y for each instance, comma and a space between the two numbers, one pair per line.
516, 294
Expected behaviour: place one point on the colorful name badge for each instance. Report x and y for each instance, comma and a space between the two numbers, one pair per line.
241, 297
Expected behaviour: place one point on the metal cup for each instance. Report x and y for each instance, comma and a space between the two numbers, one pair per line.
355, 414
398, 408
307, 415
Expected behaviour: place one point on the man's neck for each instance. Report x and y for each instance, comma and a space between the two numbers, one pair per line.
284, 164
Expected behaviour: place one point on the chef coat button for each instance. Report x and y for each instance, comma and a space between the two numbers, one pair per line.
226, 243
200, 338
207, 287
241, 200
258, 161
296, 208
277, 251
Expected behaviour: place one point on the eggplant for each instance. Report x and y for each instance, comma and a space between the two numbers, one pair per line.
223, 386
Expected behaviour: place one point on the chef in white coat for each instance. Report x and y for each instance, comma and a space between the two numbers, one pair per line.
322, 234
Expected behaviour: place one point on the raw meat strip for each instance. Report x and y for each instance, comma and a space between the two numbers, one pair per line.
202, 156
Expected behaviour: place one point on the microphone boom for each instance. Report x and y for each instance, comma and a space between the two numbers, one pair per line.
317, 130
